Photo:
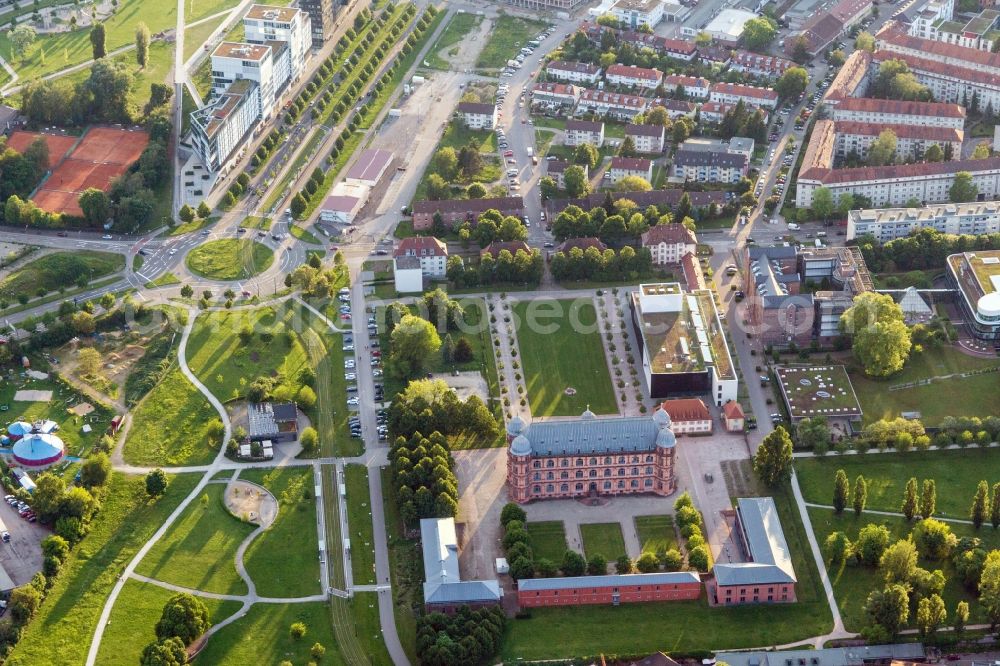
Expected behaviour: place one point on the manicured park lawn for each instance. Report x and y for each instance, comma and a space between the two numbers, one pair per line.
171, 425
59, 270
164, 280
548, 540
508, 35
134, 617
656, 533
603, 539
852, 584
262, 637
970, 396
61, 630
955, 472
198, 550
359, 522
227, 364
229, 259
555, 357
284, 560
459, 28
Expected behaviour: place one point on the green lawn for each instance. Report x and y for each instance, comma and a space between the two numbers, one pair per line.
228, 365
196, 224
198, 550
656, 533
61, 630
359, 522
57, 271
196, 36
507, 36
165, 280
457, 136
325, 351
229, 259
407, 571
77, 442
261, 636
955, 473
458, 29
851, 585
284, 560
603, 539
256, 222
548, 540
555, 357
160, 62
171, 425
303, 235
971, 396
134, 617
137, 262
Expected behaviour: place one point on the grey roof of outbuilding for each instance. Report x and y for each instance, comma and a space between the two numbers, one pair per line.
465, 591
840, 656
586, 436
582, 582
765, 540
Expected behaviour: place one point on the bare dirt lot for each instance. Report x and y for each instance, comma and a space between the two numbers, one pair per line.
482, 477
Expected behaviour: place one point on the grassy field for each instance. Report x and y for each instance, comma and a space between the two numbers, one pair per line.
554, 360
198, 550
165, 280
406, 570
160, 61
851, 585
261, 636
460, 26
256, 222
196, 36
77, 443
603, 539
359, 522
955, 474
61, 630
325, 351
284, 560
508, 35
227, 365
229, 259
134, 617
656, 533
303, 235
57, 271
196, 224
548, 540
171, 425
971, 396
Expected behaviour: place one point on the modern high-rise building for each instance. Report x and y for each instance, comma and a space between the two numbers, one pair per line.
322, 14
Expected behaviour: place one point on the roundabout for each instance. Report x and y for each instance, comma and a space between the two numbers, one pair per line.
229, 259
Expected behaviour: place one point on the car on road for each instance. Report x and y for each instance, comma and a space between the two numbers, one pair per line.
241, 230
173, 251
508, 153
204, 232
5, 535
382, 252
106, 237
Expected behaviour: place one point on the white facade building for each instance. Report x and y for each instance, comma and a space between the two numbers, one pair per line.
222, 125
263, 24
693, 86
431, 252
668, 243
887, 224
731, 93
574, 72
898, 112
635, 13
584, 131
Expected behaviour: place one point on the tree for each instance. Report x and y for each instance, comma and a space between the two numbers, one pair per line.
512, 511
575, 181
203, 210
23, 603
759, 32
934, 153
445, 163
931, 615
463, 351
865, 42
898, 562
838, 548
97, 41
89, 360
156, 483
96, 470
800, 49
573, 564
934, 539
841, 491
989, 588
95, 205
773, 462
167, 652
20, 38
437, 188
982, 151
672, 560
995, 507
309, 437
881, 341
476, 191
792, 83
860, 495
699, 558
889, 609
597, 565
883, 149
657, 116
55, 546
186, 213
298, 205
306, 398
548, 188
928, 499
871, 543
586, 155
47, 498
142, 44
184, 616
633, 184
317, 651
822, 204
647, 563
623, 565
962, 188
978, 512
910, 499
83, 322
414, 340
187, 291
961, 618
837, 57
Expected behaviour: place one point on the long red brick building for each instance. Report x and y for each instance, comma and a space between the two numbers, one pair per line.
608, 590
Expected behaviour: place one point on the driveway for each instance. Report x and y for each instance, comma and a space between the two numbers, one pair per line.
482, 478
22, 557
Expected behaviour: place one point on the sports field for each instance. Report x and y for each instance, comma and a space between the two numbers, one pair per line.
59, 144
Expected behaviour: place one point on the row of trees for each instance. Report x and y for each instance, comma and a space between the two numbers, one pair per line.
923, 249
895, 81
743, 121
467, 637
101, 97
520, 268
428, 405
424, 477
689, 521
592, 264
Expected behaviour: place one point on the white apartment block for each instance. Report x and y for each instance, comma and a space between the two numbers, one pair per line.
222, 125
647, 138
233, 61
732, 93
979, 32
616, 105
931, 13
634, 13
912, 141
264, 24
890, 223
621, 167
574, 72
584, 131
431, 252
898, 112
952, 82
668, 243
693, 86
478, 116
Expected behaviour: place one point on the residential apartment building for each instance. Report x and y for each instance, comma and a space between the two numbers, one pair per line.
233, 61
220, 127
731, 93
630, 76
714, 112
561, 94
976, 277
635, 13
608, 590
454, 212
622, 167
431, 252
710, 166
682, 343
688, 416
760, 65
692, 86
574, 72
650, 139
922, 22
851, 79
912, 141
321, 17
888, 224
264, 24
899, 112
824, 27
614, 105
663, 199
676, 108
590, 456
766, 575
556, 170
681, 49
584, 131
668, 243
546, 5
980, 32
478, 116
953, 81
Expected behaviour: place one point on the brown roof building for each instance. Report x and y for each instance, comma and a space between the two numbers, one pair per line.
496, 247
688, 416
456, 211
668, 243
584, 244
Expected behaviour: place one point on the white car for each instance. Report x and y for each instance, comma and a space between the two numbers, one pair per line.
106, 237
352, 401
173, 251
349, 364
350, 376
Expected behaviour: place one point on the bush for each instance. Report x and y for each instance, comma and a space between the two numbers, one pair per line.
297, 630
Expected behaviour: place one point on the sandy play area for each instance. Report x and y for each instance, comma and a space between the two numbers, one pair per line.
251, 502
81, 409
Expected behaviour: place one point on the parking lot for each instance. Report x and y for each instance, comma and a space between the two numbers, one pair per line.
22, 557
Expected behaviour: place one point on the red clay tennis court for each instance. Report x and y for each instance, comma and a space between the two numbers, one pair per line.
58, 144
113, 146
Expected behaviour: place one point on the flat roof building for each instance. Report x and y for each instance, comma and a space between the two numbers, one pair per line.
887, 224
277, 422
444, 589
727, 26
369, 167
976, 276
